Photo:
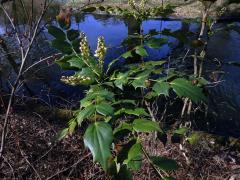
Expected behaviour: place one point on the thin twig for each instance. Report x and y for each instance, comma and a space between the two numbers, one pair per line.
28, 162
40, 61
152, 165
24, 57
75, 164
152, 116
5, 159
184, 106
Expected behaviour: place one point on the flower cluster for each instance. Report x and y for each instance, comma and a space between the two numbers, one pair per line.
222, 11
132, 3
84, 47
75, 80
101, 51
101, 48
143, 3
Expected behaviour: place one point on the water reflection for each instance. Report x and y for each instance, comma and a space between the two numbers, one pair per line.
225, 98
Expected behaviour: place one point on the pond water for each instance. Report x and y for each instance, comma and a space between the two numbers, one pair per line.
224, 104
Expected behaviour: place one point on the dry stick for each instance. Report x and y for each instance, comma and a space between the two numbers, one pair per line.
184, 106
28, 162
195, 63
189, 107
24, 57
152, 116
40, 61
205, 47
2, 104
203, 27
13, 63
25, 10
75, 164
153, 165
5, 159
15, 31
150, 111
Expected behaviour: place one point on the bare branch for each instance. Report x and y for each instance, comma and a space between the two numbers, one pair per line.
24, 56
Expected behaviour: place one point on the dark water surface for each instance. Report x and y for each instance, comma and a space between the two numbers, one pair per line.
223, 47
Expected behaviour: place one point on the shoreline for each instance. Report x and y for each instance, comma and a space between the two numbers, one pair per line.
172, 17
182, 11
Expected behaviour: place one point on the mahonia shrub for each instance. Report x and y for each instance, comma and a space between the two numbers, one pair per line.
115, 103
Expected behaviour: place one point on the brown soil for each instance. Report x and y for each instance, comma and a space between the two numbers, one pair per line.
32, 153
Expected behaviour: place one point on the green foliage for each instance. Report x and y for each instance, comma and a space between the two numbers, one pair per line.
193, 138
184, 88
156, 43
98, 138
141, 51
113, 103
85, 113
161, 88
142, 125
62, 46
165, 163
169, 178
137, 10
56, 32
134, 158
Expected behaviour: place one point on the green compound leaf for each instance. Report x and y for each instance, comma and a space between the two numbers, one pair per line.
71, 126
142, 125
56, 32
127, 54
157, 42
76, 62
98, 138
181, 131
121, 80
72, 34
184, 88
194, 138
136, 112
104, 109
85, 113
134, 159
140, 80
125, 101
165, 163
93, 94
63, 62
141, 51
123, 126
62, 134
62, 46
161, 88
134, 151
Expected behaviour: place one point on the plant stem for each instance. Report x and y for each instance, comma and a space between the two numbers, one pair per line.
24, 58
151, 163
